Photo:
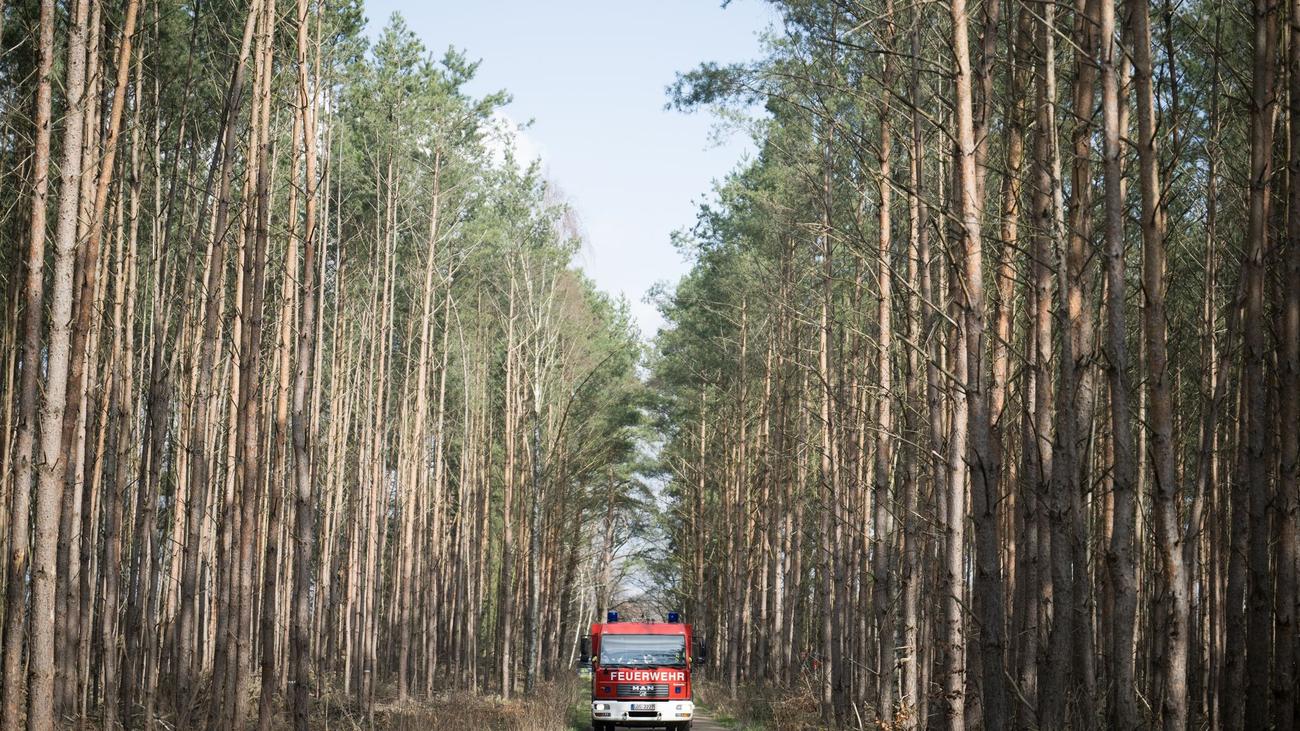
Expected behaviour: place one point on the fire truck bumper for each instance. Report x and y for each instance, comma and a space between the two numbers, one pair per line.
649, 713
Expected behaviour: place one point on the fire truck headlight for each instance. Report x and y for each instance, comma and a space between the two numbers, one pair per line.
681, 707
602, 706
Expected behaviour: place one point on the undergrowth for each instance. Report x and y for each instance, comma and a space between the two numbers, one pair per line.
760, 707
550, 708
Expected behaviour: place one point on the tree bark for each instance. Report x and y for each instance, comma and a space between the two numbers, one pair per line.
1259, 598
1288, 499
881, 545
1120, 561
33, 302
187, 666
301, 660
1161, 433
69, 200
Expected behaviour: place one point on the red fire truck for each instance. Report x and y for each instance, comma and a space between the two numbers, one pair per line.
641, 673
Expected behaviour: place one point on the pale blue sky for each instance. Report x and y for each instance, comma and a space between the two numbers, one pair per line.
591, 75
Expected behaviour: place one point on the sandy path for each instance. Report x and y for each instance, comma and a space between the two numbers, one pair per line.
704, 723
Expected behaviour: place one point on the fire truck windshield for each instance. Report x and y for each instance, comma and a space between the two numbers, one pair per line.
643, 651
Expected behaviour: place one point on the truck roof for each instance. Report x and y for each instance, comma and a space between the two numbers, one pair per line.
638, 628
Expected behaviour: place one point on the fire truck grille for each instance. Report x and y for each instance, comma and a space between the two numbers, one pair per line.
639, 690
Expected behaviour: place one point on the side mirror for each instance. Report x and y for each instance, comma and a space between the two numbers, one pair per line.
585, 650
701, 649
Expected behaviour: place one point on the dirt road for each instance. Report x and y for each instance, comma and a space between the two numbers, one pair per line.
704, 723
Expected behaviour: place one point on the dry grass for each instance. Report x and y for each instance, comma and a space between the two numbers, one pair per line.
765, 707
551, 708
780, 708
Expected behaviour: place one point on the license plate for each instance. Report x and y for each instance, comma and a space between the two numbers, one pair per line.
643, 706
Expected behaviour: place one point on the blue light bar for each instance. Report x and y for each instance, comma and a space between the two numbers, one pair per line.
611, 616
674, 617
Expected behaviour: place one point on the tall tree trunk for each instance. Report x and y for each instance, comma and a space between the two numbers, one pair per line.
1285, 674
1164, 472
66, 356
69, 200
911, 696
1120, 561
881, 545
827, 472
1038, 682
970, 415
1066, 684
33, 302
1259, 417
187, 663
249, 483
301, 661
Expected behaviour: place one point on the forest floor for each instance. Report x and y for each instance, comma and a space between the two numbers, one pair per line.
564, 704
553, 707
755, 708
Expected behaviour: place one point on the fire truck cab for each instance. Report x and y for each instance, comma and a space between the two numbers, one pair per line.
641, 673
